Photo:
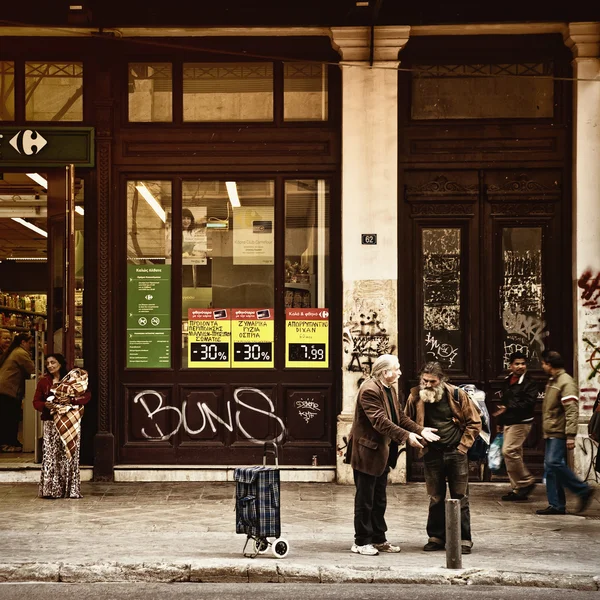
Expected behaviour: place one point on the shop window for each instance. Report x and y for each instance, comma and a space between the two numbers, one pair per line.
483, 91
54, 91
306, 243
441, 264
148, 274
150, 92
7, 91
228, 92
522, 295
305, 92
227, 256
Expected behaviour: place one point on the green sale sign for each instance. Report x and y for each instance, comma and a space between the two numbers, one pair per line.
148, 316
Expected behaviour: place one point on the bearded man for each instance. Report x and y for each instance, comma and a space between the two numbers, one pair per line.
437, 404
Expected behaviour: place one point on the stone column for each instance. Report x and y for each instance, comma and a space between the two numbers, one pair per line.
584, 41
369, 206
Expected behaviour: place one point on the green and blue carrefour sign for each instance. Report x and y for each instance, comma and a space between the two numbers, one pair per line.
46, 146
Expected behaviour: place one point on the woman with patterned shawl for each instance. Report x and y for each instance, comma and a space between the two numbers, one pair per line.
60, 396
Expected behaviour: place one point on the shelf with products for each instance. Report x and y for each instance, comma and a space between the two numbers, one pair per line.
22, 312
78, 323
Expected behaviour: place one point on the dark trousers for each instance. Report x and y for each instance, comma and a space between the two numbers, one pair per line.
452, 467
370, 503
10, 416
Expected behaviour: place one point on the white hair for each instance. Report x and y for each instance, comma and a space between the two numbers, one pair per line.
383, 363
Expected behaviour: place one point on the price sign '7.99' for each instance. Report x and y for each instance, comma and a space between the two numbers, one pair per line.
307, 338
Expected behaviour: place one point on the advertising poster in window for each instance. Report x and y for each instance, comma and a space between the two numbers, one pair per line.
253, 239
194, 244
148, 316
252, 336
209, 338
307, 338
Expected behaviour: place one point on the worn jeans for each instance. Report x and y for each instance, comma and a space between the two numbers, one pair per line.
370, 503
512, 450
453, 467
558, 475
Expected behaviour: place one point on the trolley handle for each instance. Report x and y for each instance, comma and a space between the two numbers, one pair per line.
270, 450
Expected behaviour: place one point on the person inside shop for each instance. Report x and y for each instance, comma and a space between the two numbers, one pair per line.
5, 340
60, 396
16, 365
379, 426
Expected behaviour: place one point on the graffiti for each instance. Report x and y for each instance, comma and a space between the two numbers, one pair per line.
590, 449
444, 353
208, 416
586, 399
590, 287
438, 318
509, 348
365, 340
529, 331
307, 408
593, 359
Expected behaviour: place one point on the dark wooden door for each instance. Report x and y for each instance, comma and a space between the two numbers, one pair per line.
489, 276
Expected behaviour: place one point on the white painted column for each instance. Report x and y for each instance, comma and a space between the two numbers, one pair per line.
584, 41
369, 206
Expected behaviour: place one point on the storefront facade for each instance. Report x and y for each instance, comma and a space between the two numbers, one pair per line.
271, 209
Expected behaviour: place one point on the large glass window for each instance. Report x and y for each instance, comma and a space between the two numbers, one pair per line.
483, 91
150, 92
306, 243
305, 92
441, 264
7, 90
227, 247
54, 91
522, 294
228, 91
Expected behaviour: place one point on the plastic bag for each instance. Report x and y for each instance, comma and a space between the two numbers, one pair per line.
495, 457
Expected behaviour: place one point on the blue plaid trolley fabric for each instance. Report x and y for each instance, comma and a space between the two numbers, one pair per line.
257, 501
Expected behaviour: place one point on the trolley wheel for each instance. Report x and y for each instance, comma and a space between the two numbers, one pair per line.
281, 548
261, 545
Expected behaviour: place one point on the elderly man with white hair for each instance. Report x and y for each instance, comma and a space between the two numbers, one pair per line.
379, 426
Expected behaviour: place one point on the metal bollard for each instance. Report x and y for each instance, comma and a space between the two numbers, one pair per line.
453, 550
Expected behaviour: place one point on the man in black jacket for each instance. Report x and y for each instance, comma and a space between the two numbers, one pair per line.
515, 413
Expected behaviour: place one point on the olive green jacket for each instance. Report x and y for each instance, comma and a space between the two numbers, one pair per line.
17, 367
560, 409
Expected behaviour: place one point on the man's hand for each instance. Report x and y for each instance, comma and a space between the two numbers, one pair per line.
413, 440
501, 409
429, 435
570, 443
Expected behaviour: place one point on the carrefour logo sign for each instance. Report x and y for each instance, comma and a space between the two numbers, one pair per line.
28, 142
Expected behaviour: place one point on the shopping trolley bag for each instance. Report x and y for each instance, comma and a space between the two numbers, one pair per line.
257, 508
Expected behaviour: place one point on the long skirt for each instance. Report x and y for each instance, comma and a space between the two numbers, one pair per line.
60, 475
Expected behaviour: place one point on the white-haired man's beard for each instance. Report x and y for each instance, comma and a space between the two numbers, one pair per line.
432, 395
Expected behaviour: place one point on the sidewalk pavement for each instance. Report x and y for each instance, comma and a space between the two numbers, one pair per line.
178, 532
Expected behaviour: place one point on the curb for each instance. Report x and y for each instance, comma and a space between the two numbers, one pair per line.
218, 571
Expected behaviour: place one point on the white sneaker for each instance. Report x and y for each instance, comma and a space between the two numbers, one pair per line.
367, 549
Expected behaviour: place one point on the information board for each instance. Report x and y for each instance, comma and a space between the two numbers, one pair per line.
307, 338
148, 316
209, 338
252, 335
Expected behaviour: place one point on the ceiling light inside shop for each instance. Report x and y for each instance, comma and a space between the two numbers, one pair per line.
152, 201
233, 194
38, 179
30, 226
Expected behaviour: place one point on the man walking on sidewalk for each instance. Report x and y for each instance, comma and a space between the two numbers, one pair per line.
379, 426
437, 404
515, 414
560, 415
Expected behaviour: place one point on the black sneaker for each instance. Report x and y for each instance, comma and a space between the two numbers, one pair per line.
585, 499
513, 497
433, 546
550, 510
465, 549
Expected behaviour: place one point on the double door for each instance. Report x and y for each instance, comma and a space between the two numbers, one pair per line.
490, 265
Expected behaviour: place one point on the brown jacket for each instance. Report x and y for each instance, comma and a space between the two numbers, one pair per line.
464, 412
17, 367
373, 428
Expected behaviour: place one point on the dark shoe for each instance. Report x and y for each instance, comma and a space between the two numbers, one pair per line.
512, 497
526, 491
465, 549
433, 546
550, 510
585, 499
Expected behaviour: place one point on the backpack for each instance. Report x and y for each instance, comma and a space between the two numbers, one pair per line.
479, 450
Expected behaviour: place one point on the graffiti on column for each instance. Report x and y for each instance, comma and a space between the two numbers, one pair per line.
590, 287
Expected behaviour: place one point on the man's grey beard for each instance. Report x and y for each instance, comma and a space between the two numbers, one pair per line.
432, 395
